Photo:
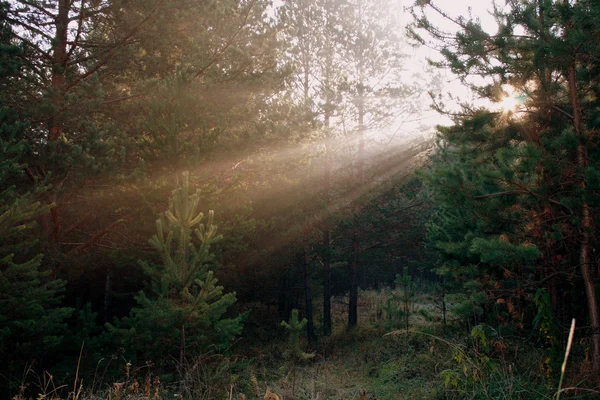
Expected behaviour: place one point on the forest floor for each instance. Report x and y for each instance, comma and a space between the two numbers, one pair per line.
429, 361
395, 366
379, 359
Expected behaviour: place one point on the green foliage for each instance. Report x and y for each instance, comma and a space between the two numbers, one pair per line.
146, 88
545, 323
32, 321
483, 369
185, 307
32, 318
513, 187
399, 304
294, 327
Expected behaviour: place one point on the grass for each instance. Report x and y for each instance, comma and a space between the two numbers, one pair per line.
363, 359
426, 362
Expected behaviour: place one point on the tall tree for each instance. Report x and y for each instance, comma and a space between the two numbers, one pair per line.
32, 319
90, 67
372, 49
532, 154
312, 28
66, 45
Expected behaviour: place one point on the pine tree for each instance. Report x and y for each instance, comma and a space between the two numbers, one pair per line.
186, 309
294, 327
516, 191
478, 227
377, 93
32, 323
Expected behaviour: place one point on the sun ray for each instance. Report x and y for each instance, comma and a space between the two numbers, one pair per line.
510, 102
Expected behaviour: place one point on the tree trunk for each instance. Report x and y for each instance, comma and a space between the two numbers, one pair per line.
361, 133
107, 294
326, 231
326, 283
181, 346
310, 326
58, 80
283, 303
59, 63
587, 224
353, 301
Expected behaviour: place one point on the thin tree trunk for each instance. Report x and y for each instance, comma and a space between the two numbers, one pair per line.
283, 303
181, 346
444, 306
353, 303
59, 62
107, 294
587, 224
361, 133
326, 283
326, 230
58, 80
310, 326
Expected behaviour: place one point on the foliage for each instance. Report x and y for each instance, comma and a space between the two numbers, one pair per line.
399, 305
282, 112
294, 327
31, 316
513, 188
484, 370
186, 308
33, 321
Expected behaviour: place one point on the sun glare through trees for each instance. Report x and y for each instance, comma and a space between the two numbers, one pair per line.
510, 100
299, 199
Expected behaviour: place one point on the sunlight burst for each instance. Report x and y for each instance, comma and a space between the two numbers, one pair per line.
510, 102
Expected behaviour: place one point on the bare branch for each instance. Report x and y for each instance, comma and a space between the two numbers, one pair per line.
30, 28
485, 196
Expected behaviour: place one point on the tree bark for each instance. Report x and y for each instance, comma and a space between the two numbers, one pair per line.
326, 229
59, 63
283, 302
181, 346
326, 283
310, 326
353, 303
107, 294
587, 224
58, 81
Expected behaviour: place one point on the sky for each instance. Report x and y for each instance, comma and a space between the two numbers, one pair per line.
479, 9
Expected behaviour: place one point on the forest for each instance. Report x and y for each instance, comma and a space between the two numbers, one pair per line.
299, 199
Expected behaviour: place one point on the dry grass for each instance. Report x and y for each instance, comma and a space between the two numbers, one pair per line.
359, 364
352, 363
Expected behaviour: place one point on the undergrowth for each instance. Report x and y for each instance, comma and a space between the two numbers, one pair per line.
421, 359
